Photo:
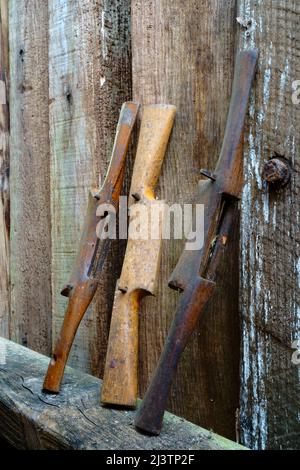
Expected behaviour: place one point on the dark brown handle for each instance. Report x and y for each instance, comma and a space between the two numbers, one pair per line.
227, 182
192, 303
230, 156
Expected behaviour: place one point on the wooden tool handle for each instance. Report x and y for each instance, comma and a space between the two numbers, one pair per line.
115, 172
120, 384
88, 264
78, 303
191, 305
156, 126
229, 168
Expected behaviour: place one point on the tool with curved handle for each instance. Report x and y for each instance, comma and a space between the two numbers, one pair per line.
196, 271
141, 263
92, 251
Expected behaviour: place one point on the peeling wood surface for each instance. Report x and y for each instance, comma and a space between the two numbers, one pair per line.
4, 172
30, 419
184, 56
90, 78
270, 248
29, 175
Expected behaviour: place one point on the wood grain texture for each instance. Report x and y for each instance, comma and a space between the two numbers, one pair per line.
30, 201
269, 294
185, 56
4, 172
89, 80
29, 419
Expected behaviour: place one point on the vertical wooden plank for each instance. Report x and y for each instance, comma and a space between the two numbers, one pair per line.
90, 77
30, 203
4, 172
183, 54
270, 301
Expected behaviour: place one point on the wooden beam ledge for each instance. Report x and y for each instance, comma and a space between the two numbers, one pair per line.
74, 419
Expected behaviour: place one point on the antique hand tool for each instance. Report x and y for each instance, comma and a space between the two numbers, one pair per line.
141, 263
92, 251
196, 271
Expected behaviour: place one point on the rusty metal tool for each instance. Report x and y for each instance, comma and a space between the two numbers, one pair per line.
196, 272
141, 263
92, 251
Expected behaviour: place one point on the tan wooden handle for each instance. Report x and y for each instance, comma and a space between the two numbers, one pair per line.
120, 384
156, 126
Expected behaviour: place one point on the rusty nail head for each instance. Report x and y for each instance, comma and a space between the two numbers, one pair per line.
276, 171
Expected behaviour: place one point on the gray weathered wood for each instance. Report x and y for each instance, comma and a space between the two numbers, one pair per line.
4, 172
270, 244
183, 54
30, 419
29, 175
90, 77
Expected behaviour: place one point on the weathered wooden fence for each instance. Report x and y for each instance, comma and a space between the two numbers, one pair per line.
65, 70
